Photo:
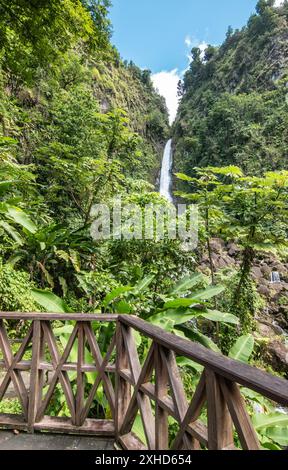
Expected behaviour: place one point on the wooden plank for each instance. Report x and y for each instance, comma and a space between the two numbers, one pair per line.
270, 386
92, 427
12, 374
165, 402
199, 432
176, 385
193, 411
243, 425
100, 370
161, 389
220, 430
122, 386
79, 402
197, 429
127, 375
141, 401
20, 365
101, 365
11, 421
132, 353
69, 367
34, 376
59, 374
177, 391
77, 317
131, 442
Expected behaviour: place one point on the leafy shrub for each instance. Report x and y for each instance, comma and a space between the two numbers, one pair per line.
15, 290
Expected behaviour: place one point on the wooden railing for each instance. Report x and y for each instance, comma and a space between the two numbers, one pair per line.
152, 393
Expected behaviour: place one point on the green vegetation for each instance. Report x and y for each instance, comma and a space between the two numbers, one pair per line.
79, 126
252, 211
233, 109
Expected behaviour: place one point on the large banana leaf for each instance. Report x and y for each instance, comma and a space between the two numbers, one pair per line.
279, 435
185, 362
49, 301
176, 303
208, 293
21, 218
177, 317
263, 421
186, 284
144, 283
198, 337
242, 349
12, 232
138, 429
183, 177
123, 307
215, 315
115, 293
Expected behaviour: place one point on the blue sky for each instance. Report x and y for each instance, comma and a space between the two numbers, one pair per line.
159, 34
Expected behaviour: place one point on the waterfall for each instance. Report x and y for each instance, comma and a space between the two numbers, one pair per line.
275, 277
165, 178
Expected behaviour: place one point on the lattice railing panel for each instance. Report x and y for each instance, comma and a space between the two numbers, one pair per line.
214, 418
148, 391
67, 369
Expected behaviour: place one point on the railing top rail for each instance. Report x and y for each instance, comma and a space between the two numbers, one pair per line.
268, 385
58, 316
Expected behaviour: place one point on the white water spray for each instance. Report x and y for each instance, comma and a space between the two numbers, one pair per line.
165, 178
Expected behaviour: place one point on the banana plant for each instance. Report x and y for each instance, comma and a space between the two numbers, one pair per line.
184, 306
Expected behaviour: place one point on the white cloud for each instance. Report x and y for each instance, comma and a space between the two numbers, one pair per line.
188, 41
193, 42
166, 83
278, 3
203, 46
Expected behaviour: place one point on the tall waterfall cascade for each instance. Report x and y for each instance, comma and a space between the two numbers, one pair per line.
166, 177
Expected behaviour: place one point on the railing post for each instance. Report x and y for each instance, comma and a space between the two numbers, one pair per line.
122, 387
220, 428
80, 376
161, 390
36, 375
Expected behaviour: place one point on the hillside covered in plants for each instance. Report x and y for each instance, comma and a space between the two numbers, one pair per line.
80, 126
233, 109
77, 126
230, 157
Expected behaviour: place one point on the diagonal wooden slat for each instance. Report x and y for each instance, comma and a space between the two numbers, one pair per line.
59, 374
96, 353
241, 419
17, 358
193, 411
161, 390
99, 378
177, 390
143, 401
139, 401
12, 374
132, 353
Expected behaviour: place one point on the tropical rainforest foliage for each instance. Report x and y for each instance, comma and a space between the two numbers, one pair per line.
79, 126
234, 99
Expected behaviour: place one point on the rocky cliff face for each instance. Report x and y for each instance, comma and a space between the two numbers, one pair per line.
234, 108
272, 320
